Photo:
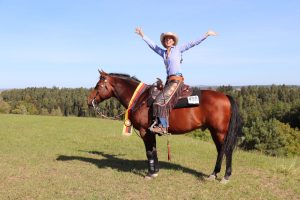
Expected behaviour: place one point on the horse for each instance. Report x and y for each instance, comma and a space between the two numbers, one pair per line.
216, 112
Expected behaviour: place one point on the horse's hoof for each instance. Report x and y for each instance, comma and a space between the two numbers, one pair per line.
211, 178
224, 181
150, 176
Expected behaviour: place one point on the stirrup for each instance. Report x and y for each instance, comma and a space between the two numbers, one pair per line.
159, 130
153, 125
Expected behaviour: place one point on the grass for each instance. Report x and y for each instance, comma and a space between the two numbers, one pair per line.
85, 158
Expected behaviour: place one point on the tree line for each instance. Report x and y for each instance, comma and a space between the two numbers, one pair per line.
54, 101
271, 118
270, 114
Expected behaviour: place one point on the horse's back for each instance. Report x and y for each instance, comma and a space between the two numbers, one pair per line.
212, 95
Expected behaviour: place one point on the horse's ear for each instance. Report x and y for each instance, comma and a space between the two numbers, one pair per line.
102, 73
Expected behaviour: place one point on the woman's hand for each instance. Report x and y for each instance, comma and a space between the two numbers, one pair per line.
139, 31
210, 33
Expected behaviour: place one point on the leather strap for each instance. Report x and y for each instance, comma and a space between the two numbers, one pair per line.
176, 78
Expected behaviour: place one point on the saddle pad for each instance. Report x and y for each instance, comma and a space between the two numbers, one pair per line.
185, 103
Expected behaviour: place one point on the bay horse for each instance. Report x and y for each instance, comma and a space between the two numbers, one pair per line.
217, 112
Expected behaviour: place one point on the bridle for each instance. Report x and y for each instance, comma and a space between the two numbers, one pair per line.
99, 111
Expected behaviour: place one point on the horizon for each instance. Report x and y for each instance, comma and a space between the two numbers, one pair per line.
63, 43
199, 86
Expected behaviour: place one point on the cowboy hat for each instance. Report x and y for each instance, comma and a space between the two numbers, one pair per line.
173, 35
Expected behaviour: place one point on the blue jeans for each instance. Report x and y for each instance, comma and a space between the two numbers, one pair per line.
163, 122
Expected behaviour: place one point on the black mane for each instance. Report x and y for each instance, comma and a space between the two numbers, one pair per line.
126, 76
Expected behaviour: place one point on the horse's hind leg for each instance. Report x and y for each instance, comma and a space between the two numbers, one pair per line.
228, 166
151, 152
221, 151
219, 160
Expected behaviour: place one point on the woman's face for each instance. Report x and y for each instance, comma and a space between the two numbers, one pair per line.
169, 41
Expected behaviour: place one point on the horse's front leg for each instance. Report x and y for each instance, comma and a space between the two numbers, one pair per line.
150, 145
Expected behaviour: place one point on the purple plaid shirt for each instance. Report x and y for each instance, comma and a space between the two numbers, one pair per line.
172, 63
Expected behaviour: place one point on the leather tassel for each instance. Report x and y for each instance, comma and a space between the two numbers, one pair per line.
169, 150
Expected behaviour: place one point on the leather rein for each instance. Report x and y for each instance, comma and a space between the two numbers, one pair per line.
98, 111
117, 117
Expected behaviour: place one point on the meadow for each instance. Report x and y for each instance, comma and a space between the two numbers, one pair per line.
45, 157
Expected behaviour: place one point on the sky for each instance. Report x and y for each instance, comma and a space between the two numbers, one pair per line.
63, 43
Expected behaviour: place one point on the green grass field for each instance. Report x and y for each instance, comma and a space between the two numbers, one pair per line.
85, 158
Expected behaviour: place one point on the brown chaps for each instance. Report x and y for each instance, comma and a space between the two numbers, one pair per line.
168, 97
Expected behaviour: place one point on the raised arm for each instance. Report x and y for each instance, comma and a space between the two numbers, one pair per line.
151, 44
191, 44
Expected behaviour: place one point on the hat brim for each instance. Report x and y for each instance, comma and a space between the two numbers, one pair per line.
173, 35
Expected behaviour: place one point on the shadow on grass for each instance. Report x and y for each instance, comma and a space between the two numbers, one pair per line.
137, 167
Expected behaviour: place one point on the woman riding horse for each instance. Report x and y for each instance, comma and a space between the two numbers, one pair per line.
217, 112
172, 57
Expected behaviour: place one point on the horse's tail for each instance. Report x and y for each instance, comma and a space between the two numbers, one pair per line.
234, 129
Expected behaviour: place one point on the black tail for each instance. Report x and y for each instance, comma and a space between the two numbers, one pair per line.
234, 129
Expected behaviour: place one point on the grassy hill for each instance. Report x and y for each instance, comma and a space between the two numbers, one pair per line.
85, 158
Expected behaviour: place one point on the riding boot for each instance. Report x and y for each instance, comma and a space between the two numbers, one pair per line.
159, 130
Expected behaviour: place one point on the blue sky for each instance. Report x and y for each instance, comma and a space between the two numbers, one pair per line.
64, 42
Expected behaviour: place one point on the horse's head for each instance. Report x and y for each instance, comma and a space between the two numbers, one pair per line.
103, 90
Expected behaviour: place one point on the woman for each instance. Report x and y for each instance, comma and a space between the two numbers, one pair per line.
172, 57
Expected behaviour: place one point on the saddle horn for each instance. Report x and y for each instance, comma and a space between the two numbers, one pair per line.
159, 84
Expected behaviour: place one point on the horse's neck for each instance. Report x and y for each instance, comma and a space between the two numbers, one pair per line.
123, 91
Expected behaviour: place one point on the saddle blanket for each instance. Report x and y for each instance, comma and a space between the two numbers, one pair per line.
187, 102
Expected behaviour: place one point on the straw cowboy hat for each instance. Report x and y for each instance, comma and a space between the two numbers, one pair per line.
163, 35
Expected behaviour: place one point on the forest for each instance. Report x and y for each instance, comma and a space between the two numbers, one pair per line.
270, 114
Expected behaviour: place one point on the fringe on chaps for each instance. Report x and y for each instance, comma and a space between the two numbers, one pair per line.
167, 99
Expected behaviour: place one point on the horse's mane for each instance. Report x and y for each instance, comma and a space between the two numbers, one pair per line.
125, 76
